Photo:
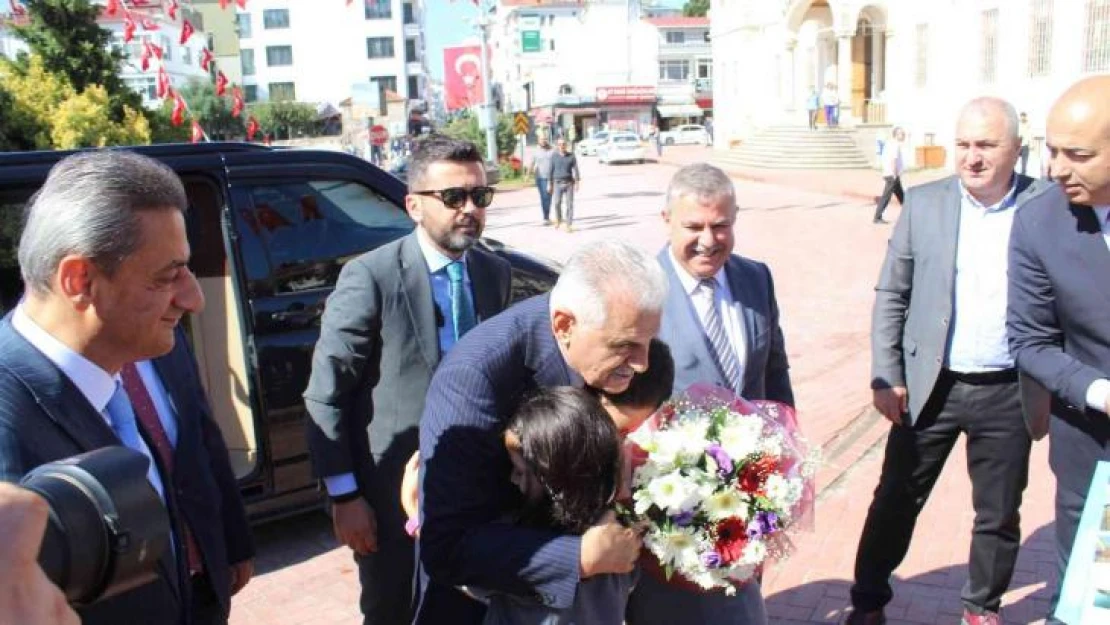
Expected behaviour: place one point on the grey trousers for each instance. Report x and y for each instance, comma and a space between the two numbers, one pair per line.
563, 188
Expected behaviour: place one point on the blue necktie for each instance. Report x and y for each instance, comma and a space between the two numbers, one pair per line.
462, 311
124, 424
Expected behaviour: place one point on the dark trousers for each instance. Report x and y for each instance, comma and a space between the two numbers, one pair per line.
564, 189
998, 462
543, 184
893, 187
1023, 154
205, 608
386, 576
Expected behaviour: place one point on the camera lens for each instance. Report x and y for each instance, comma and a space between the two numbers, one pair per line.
108, 527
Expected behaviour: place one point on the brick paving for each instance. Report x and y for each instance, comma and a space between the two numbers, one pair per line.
816, 234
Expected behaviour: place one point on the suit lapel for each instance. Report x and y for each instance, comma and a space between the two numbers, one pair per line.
482, 285
686, 322
416, 291
949, 233
1091, 247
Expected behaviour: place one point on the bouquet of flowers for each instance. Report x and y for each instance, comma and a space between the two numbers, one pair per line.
718, 481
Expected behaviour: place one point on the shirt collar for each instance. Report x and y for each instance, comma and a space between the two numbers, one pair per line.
1006, 202
1102, 212
436, 259
690, 284
96, 384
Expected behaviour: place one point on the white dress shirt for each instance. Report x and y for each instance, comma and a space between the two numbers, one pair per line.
731, 313
1099, 390
978, 341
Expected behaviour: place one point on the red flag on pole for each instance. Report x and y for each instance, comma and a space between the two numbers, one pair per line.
18, 9
171, 9
224, 3
186, 31
144, 57
162, 84
462, 77
221, 83
205, 59
177, 117
128, 29
198, 132
242, 3
111, 8
252, 128
155, 49
149, 24
236, 102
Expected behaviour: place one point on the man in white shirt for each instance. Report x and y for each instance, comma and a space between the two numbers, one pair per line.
1060, 297
893, 165
941, 366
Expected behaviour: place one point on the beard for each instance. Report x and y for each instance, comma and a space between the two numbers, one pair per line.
452, 238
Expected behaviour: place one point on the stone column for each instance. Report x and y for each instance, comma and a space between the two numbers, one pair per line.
787, 82
844, 76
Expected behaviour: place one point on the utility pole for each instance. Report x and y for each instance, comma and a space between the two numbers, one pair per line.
487, 115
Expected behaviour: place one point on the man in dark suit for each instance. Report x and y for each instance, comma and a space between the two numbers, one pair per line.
594, 328
1060, 297
941, 365
395, 312
722, 323
104, 256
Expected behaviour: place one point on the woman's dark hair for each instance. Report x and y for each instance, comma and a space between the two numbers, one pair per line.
573, 449
435, 148
652, 387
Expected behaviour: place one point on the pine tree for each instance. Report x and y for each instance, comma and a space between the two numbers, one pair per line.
696, 8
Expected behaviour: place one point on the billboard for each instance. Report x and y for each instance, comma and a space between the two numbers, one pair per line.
462, 77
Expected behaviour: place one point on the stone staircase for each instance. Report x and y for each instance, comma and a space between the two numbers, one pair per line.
797, 147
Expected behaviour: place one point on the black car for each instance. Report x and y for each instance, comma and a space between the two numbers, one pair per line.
269, 229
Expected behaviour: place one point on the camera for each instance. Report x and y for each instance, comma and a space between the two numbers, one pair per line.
107, 527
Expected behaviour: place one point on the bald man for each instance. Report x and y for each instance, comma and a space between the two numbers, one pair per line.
1059, 319
941, 366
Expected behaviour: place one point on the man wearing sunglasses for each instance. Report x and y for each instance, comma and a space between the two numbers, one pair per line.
395, 312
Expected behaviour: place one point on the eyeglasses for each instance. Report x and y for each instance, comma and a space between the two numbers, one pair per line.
455, 197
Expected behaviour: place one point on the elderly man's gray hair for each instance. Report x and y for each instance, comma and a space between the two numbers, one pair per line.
988, 105
701, 180
89, 207
598, 272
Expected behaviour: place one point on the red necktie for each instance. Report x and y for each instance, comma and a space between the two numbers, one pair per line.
147, 417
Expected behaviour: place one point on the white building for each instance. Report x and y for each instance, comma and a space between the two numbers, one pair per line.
899, 62
316, 51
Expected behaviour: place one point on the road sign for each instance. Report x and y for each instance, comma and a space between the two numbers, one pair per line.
520, 124
530, 41
379, 135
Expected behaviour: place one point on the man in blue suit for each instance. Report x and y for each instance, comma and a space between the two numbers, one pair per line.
594, 328
93, 357
1059, 295
721, 321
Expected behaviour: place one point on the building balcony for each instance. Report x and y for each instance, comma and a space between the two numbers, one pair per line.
703, 85
687, 49
414, 68
412, 30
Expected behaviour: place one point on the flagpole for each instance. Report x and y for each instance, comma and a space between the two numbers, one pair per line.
487, 112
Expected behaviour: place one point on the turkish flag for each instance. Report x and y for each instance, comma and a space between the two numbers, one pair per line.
221, 83
177, 117
162, 83
155, 49
144, 57
462, 77
269, 218
242, 3
111, 8
205, 59
187, 31
17, 9
197, 134
236, 102
252, 128
224, 3
128, 29
171, 9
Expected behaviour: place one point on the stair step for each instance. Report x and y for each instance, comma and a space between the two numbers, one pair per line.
797, 147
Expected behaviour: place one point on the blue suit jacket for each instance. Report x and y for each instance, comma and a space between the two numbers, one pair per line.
465, 483
44, 417
766, 370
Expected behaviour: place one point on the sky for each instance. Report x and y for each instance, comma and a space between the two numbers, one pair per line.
449, 22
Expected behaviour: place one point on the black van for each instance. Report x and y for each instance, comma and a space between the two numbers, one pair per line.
270, 229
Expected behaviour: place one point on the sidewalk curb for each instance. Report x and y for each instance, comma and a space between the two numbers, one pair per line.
848, 447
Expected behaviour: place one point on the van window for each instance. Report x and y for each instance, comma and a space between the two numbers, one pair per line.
296, 236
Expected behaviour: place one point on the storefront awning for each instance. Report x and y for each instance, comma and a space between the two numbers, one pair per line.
679, 110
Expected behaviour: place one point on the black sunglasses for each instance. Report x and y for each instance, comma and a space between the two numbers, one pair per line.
455, 197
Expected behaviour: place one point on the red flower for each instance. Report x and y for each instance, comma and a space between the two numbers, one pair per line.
754, 474
732, 537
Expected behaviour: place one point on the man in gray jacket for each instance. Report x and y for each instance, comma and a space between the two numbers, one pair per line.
941, 365
393, 315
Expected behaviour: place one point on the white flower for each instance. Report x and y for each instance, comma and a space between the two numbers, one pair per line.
772, 445
676, 548
783, 492
741, 437
754, 553
741, 571
673, 493
726, 504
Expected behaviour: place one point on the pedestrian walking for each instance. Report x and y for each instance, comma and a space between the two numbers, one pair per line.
1025, 133
813, 105
541, 170
941, 365
831, 99
893, 164
657, 139
564, 183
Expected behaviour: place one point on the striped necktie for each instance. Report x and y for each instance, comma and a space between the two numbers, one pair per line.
715, 332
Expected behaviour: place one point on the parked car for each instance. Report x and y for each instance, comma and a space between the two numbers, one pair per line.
588, 147
686, 133
622, 147
270, 230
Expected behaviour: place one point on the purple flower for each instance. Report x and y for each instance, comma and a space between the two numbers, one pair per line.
718, 454
755, 530
711, 560
683, 519
768, 522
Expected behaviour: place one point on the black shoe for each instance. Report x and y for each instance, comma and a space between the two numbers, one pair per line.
879, 220
874, 617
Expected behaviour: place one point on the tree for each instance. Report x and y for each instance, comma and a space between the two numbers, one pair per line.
212, 111
285, 119
82, 121
696, 8
66, 36
36, 95
465, 127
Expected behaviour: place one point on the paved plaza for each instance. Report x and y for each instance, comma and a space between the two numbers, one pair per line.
814, 230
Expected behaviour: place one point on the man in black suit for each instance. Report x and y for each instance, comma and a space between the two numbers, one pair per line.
393, 315
93, 357
594, 328
1059, 324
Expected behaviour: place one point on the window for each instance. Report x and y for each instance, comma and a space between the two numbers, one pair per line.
551, 44
143, 85
250, 93
275, 18
1040, 38
410, 51
988, 69
186, 55
921, 77
282, 91
246, 59
705, 68
408, 14
295, 234
277, 56
674, 70
1096, 50
166, 44
243, 21
676, 36
379, 47
389, 82
414, 88
379, 9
